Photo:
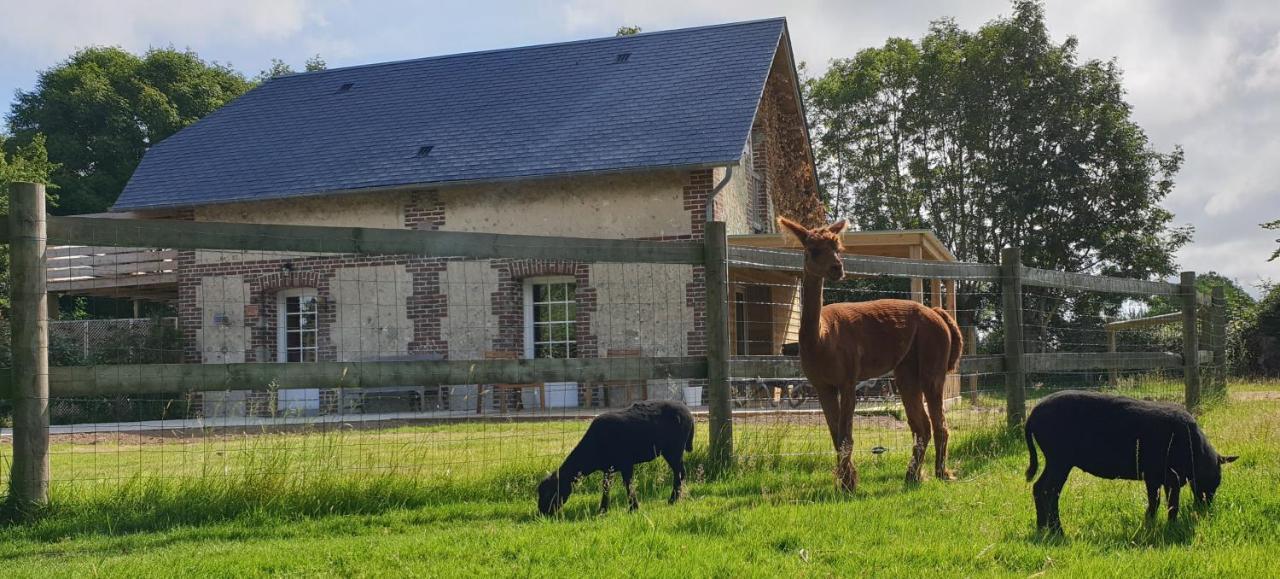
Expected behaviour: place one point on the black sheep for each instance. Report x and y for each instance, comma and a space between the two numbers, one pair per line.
1119, 438
619, 440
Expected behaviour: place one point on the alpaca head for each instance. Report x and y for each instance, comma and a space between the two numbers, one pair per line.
822, 248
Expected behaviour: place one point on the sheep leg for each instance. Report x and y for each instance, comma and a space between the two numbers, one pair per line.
607, 484
1047, 490
1153, 497
1172, 493
627, 472
676, 461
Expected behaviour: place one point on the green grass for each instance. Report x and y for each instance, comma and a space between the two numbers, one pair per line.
459, 501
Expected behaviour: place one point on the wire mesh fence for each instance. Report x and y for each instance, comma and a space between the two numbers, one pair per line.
329, 352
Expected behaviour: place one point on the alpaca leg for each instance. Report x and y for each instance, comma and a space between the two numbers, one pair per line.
844, 450
918, 420
941, 434
829, 398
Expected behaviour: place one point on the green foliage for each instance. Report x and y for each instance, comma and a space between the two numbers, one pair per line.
998, 138
1274, 225
27, 162
628, 30
1260, 333
281, 68
281, 515
103, 107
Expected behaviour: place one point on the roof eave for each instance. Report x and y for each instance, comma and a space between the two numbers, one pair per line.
435, 185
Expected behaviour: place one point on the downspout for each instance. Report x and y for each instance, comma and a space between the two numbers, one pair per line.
711, 199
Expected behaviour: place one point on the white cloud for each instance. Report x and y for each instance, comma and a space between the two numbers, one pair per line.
51, 29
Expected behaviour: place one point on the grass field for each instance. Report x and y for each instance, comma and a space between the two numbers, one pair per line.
458, 500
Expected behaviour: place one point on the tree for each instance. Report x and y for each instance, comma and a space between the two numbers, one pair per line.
281, 68
998, 138
103, 107
28, 162
1261, 335
628, 30
1274, 225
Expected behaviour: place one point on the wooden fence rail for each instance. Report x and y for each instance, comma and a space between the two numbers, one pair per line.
109, 244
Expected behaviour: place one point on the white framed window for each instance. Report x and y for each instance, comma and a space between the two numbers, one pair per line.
549, 318
297, 326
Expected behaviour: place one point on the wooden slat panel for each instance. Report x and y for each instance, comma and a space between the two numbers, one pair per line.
124, 281
126, 257
1079, 281
209, 235
792, 260
59, 272
1063, 362
177, 378
66, 251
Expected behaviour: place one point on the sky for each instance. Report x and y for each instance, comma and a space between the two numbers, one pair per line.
1203, 74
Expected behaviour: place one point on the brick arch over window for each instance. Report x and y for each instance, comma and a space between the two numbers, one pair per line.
274, 282
523, 268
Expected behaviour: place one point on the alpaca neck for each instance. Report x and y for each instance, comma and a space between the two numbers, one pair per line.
810, 311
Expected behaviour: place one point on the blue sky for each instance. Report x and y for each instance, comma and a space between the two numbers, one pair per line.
1203, 74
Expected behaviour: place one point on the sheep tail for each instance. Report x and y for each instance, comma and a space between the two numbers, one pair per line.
1031, 449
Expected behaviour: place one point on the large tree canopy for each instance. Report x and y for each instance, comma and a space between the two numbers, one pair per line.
997, 138
101, 108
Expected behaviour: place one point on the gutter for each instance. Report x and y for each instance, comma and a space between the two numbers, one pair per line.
711, 199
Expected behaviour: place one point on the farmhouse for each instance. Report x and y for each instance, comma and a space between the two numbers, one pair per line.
647, 136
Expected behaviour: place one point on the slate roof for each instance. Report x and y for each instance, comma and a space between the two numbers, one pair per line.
679, 98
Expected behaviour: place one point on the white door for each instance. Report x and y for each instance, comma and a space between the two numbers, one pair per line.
296, 341
550, 330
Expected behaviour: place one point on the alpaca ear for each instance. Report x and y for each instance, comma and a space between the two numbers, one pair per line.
1226, 459
838, 226
797, 230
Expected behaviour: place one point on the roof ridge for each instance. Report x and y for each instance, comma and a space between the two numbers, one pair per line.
315, 73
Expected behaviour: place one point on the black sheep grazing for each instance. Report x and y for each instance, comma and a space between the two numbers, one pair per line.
619, 440
1119, 438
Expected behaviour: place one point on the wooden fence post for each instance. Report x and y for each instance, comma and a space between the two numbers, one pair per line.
1218, 339
1113, 375
29, 478
1190, 341
1011, 294
719, 397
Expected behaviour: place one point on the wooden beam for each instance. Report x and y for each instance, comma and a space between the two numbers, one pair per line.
1080, 281
1068, 361
75, 381
935, 293
356, 240
917, 284
719, 403
1147, 322
788, 367
793, 260
29, 476
1011, 270
1190, 341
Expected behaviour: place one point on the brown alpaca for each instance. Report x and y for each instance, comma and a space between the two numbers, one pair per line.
843, 344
